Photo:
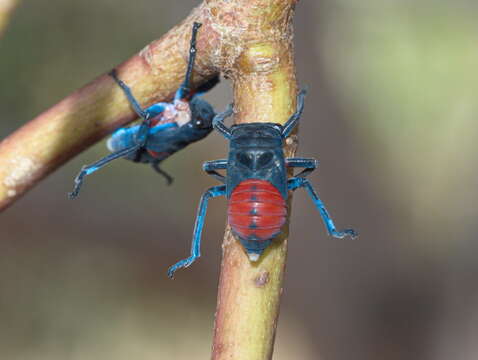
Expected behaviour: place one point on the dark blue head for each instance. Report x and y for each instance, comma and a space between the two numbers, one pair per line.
256, 153
202, 114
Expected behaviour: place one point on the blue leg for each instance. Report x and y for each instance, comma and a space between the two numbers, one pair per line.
292, 122
142, 134
198, 226
89, 169
129, 95
211, 166
169, 178
218, 121
297, 182
309, 165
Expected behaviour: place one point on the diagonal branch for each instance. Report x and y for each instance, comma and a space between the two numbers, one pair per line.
6, 10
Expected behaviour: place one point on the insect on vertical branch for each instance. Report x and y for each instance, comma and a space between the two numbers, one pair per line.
257, 55
256, 185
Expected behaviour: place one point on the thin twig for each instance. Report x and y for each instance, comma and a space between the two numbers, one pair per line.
6, 10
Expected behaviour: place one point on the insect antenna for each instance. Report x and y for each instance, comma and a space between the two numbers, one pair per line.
185, 90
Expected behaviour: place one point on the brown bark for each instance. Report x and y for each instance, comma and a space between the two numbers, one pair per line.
257, 54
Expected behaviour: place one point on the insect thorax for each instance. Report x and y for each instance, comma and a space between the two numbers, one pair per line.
256, 153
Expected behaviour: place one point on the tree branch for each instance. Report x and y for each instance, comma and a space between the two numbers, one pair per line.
6, 9
257, 54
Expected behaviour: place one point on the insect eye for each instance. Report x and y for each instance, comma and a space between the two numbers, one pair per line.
244, 159
198, 122
264, 159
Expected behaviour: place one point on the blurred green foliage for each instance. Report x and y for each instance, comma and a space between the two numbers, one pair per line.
408, 70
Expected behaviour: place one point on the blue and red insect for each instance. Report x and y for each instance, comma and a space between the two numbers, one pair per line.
166, 127
256, 185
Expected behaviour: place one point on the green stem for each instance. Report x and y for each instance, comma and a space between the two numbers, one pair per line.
259, 60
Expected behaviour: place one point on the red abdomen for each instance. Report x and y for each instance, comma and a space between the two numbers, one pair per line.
256, 210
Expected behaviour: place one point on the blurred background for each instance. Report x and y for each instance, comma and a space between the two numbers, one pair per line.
391, 115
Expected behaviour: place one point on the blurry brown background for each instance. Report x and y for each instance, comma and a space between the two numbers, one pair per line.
391, 115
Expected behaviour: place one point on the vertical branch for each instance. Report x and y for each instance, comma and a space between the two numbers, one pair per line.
259, 60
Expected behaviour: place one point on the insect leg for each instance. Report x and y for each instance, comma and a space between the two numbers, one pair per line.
297, 182
309, 165
211, 166
142, 134
169, 178
89, 169
129, 95
198, 226
155, 109
208, 85
218, 121
184, 90
292, 122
